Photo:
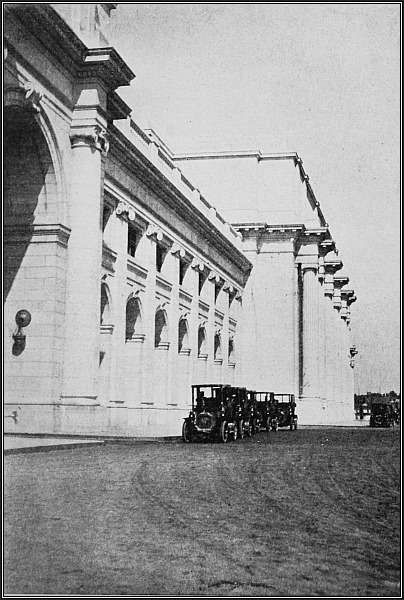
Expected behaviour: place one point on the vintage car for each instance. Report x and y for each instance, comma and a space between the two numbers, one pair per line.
284, 412
215, 414
247, 425
264, 410
382, 414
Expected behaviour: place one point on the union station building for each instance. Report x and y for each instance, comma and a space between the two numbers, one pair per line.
134, 279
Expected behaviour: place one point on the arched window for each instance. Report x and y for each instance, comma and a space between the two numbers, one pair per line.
133, 318
201, 341
160, 331
218, 346
105, 308
231, 350
182, 335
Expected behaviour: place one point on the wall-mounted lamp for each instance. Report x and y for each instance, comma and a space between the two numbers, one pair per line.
23, 319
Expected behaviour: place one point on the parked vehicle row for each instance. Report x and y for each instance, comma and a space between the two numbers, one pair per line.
384, 414
223, 412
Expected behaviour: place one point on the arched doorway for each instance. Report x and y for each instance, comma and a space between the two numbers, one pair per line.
161, 347
34, 256
131, 382
202, 356
106, 331
183, 392
218, 358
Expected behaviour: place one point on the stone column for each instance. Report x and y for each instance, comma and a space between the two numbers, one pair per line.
193, 323
148, 254
172, 274
118, 236
339, 282
211, 330
310, 332
89, 147
328, 288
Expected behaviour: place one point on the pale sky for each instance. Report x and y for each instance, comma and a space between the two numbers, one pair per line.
322, 80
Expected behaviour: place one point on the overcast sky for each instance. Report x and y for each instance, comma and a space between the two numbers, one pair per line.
319, 79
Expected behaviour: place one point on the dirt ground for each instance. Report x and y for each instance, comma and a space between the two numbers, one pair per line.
314, 512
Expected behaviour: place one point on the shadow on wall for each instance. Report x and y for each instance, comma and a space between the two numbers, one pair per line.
28, 171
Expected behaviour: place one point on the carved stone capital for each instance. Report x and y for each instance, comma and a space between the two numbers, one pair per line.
178, 250
197, 264
33, 96
124, 209
94, 136
155, 232
26, 97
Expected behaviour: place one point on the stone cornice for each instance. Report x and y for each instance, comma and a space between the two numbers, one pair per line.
257, 154
59, 39
333, 265
277, 232
51, 30
106, 65
117, 108
40, 233
133, 159
340, 281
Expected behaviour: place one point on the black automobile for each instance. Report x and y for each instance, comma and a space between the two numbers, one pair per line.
284, 410
265, 410
247, 425
215, 415
382, 414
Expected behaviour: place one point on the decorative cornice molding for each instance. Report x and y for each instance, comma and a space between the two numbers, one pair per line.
106, 65
332, 266
39, 233
340, 281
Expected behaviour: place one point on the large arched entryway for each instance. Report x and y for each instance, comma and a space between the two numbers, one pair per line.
34, 256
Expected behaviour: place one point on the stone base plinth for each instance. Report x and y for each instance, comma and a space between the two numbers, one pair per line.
119, 421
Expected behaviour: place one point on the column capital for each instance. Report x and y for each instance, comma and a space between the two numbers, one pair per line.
27, 97
123, 209
93, 136
306, 267
332, 264
197, 264
178, 250
340, 281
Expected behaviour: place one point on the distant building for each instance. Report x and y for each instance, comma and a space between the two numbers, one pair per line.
135, 284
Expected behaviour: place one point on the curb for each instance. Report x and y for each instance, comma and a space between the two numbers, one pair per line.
49, 448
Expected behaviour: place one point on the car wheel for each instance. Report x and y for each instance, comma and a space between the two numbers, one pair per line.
224, 432
186, 433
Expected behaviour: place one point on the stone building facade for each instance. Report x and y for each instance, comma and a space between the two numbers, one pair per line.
136, 285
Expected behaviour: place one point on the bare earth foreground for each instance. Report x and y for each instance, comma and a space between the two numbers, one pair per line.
311, 513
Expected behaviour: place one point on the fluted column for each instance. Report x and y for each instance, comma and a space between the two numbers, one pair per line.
89, 147
310, 332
